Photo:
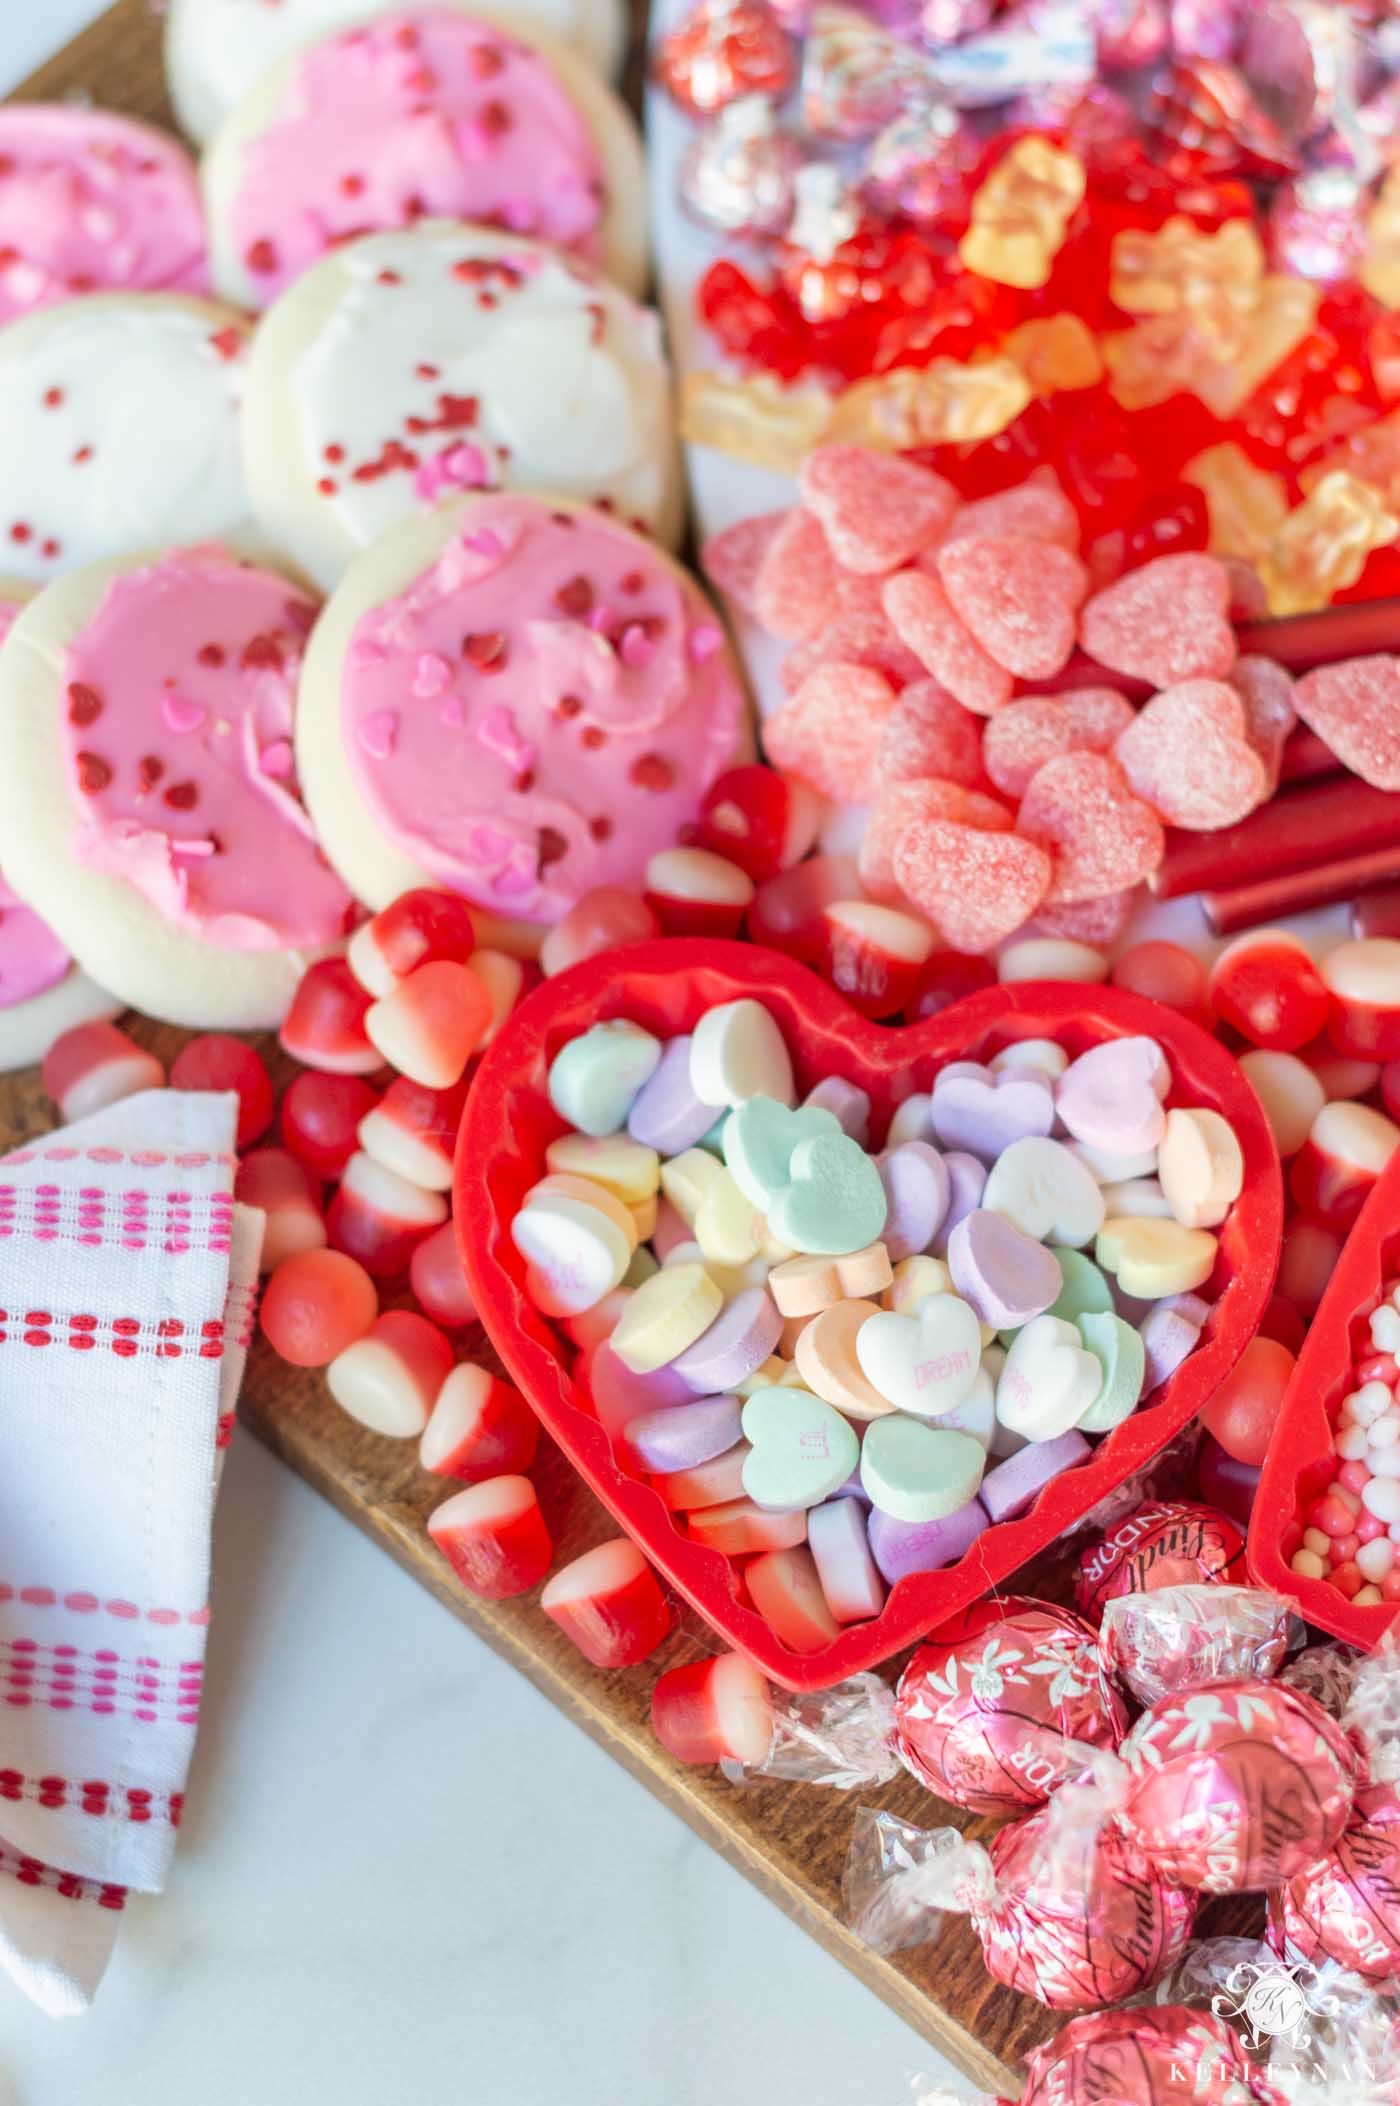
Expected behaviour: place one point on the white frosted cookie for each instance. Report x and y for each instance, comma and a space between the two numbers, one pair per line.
215, 50
424, 113
119, 414
148, 802
413, 366
517, 698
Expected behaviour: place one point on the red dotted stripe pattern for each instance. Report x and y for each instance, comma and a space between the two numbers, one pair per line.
163, 1338
31, 1873
93, 1796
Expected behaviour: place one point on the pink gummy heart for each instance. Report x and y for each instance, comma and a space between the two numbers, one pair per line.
878, 510
731, 559
1100, 837
1355, 708
857, 639
1033, 729
1019, 598
924, 618
795, 583
902, 805
1187, 752
973, 885
828, 734
1036, 511
1097, 921
1266, 691
928, 733
1168, 621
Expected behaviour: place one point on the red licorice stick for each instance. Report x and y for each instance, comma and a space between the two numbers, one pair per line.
1305, 828
1377, 913
1305, 757
1295, 891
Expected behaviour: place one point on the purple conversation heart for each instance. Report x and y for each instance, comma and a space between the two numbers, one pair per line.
666, 1114
1005, 1274
984, 1113
848, 1104
917, 1191
739, 1340
685, 1435
1009, 1489
902, 1547
1168, 1337
967, 1180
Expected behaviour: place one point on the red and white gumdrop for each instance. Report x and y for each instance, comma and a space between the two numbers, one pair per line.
413, 1130
95, 1065
1034, 729
493, 1535
320, 1119
1100, 837
389, 1378
694, 892
505, 979
289, 1196
741, 1530
430, 1023
732, 558
1168, 621
316, 1305
828, 734
795, 588
479, 1427
924, 618
928, 733
903, 804
609, 1603
438, 1281
1354, 708
1266, 987
786, 1591
218, 1061
378, 1217
856, 637
717, 1710
877, 509
787, 911
875, 954
599, 921
975, 886
1333, 1173
1187, 753
417, 928
1362, 979
763, 821
325, 1026
1035, 511
1019, 598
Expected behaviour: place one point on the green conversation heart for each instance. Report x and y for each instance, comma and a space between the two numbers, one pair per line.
1119, 1351
759, 1139
834, 1202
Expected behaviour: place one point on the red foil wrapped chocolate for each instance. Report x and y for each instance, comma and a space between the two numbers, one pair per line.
1346, 1907
985, 1713
1148, 2057
721, 50
1238, 1788
1160, 1544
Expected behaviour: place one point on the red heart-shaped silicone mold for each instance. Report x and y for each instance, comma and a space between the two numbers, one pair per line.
1300, 1463
667, 986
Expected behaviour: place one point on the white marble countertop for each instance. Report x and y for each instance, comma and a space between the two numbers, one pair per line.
403, 1875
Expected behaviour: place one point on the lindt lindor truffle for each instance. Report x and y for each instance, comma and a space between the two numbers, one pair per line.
1177, 1639
1161, 1544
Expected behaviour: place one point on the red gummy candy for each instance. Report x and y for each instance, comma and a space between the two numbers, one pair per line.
924, 619
1266, 691
1355, 708
1097, 921
1033, 729
732, 558
828, 734
928, 733
1035, 511
1187, 752
1100, 837
878, 510
1019, 598
905, 804
1167, 622
795, 584
973, 885
856, 639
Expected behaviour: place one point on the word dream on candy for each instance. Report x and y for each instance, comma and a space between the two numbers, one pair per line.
840, 1363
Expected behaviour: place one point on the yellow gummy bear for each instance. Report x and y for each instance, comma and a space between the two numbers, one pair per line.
1167, 354
1215, 278
753, 419
1380, 272
1323, 544
1056, 352
1371, 454
1021, 212
1247, 505
943, 403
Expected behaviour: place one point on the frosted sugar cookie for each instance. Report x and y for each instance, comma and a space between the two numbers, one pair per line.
411, 366
90, 201
120, 420
215, 50
148, 804
514, 697
424, 113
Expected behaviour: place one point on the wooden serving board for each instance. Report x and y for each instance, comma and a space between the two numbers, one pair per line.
790, 1840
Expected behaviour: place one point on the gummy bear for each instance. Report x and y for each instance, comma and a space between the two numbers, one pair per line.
1215, 278
1246, 505
1021, 213
753, 419
1324, 542
942, 403
1056, 352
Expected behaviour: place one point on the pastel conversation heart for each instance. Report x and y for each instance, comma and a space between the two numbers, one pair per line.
915, 1472
800, 1450
595, 1078
1122, 1357
1049, 1381
759, 1139
835, 1201
806, 1286
917, 1191
1046, 1191
981, 1112
1111, 1097
1006, 1275
926, 1363
738, 1052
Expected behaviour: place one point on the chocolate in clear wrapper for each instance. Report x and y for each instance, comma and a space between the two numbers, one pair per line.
919, 164
1177, 1639
1162, 1543
738, 175
1326, 1672
721, 50
1346, 1906
856, 76
1162, 2056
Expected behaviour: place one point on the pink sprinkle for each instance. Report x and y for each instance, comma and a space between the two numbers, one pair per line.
453, 716
194, 849
181, 714
276, 759
636, 648
431, 675
703, 642
497, 731
378, 733
460, 467
518, 874
485, 541
601, 619
365, 651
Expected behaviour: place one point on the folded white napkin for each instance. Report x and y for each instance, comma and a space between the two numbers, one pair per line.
127, 1283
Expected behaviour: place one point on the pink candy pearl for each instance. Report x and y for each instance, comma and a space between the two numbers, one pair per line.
1354, 1475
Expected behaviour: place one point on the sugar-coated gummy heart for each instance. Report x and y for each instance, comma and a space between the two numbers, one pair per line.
834, 1201
595, 1078
666, 1114
982, 1113
853, 638
1166, 622
1111, 1096
1014, 1484
900, 806
795, 586
1122, 1358
917, 1472
1035, 729
967, 1180
732, 558
1355, 708
683, 1436
736, 1052
1097, 921
1270, 711
1046, 1191
1019, 598
828, 733
1006, 1275
1036, 511
929, 733
1098, 833
924, 618
758, 1141
926, 1363
1187, 753
1048, 1382
743, 1335
800, 1449
877, 509
975, 887
917, 1191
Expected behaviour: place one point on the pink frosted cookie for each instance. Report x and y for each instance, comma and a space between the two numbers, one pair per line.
91, 202
424, 113
148, 804
412, 366
517, 698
